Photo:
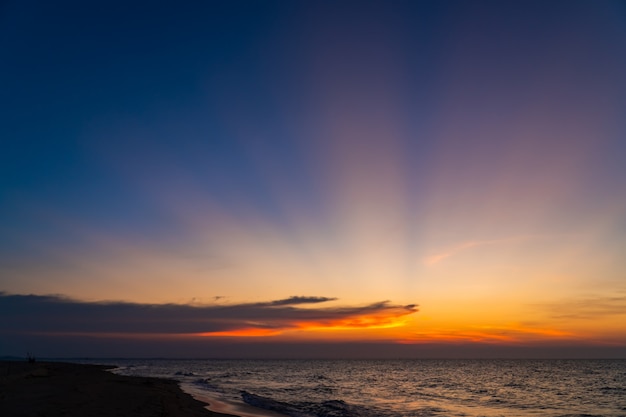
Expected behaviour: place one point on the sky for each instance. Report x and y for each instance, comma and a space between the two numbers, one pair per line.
313, 178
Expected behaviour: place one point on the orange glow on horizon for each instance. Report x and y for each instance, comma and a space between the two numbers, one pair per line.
373, 322
375, 328
488, 334
247, 332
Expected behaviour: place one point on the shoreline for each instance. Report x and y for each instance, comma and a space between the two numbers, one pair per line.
226, 407
77, 390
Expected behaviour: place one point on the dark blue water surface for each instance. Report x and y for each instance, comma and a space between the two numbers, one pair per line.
386, 388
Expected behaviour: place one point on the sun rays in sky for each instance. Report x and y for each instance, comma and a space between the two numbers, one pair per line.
463, 162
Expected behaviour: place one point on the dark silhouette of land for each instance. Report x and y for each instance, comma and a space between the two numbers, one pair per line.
54, 389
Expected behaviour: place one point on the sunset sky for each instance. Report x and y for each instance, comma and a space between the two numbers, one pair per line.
379, 178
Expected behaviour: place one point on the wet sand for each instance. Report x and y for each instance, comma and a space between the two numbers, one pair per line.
54, 389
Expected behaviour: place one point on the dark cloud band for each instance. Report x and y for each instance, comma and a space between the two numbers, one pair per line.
57, 314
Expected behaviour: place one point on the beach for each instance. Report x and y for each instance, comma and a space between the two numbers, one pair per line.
73, 390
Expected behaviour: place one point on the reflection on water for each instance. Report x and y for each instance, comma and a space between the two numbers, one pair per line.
346, 388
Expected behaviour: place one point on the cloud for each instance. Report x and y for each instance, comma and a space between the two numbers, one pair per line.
53, 314
455, 250
300, 300
438, 257
587, 308
509, 333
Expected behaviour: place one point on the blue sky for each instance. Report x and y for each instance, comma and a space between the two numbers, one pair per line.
463, 156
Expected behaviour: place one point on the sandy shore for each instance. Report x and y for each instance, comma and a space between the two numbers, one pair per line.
71, 390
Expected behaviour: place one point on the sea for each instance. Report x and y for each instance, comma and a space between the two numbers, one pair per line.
395, 388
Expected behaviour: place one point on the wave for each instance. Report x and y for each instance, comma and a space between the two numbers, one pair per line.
206, 385
330, 408
182, 373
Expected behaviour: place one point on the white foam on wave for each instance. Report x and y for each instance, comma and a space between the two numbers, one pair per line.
221, 406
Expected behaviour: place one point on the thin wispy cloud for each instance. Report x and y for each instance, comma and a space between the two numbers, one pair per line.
511, 333
589, 308
441, 255
438, 257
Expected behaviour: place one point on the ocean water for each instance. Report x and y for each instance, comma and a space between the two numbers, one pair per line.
393, 388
